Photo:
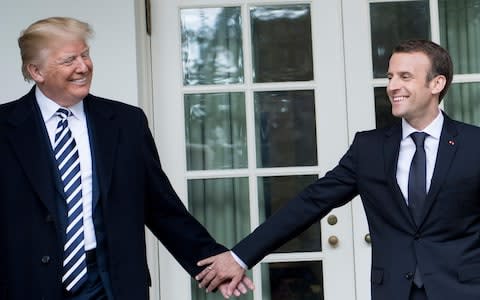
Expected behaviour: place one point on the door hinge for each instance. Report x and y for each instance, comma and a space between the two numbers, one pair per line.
148, 17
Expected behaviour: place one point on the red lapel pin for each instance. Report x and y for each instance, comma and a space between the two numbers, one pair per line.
451, 142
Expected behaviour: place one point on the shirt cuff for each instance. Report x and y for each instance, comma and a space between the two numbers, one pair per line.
238, 260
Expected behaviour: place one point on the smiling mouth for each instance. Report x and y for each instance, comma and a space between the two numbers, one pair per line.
79, 81
398, 99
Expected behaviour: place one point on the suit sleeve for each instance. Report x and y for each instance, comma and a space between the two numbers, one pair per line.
336, 188
166, 216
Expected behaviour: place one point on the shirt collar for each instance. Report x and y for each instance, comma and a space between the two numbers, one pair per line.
434, 129
48, 107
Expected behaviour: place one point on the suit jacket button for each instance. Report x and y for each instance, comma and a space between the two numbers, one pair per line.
409, 276
49, 219
45, 259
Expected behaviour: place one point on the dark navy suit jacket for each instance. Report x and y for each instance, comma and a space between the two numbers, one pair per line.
446, 244
130, 191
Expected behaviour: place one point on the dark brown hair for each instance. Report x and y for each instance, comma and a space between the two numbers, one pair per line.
440, 60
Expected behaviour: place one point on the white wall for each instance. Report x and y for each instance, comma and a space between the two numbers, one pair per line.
113, 47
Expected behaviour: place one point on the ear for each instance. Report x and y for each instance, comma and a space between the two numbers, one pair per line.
35, 73
438, 84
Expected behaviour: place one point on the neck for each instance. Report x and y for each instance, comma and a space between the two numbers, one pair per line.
422, 122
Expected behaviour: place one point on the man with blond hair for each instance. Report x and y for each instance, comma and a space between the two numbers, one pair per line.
80, 177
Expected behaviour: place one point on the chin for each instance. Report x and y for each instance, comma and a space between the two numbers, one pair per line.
82, 93
77, 97
397, 114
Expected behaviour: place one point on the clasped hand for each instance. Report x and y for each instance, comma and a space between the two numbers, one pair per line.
224, 273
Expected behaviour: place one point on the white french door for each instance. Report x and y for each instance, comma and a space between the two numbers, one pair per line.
249, 106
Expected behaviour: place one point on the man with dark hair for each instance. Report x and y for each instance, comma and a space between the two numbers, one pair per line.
441, 63
419, 181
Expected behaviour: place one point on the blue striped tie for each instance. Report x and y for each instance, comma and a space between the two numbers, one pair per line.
68, 162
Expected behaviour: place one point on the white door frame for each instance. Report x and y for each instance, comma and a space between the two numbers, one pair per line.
361, 116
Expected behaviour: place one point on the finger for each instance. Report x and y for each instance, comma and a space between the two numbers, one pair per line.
242, 288
214, 284
206, 261
248, 282
237, 293
233, 284
223, 290
207, 279
203, 273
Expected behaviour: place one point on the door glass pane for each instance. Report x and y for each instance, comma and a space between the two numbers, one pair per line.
460, 33
281, 43
461, 102
393, 22
211, 45
383, 109
285, 129
293, 281
222, 206
274, 192
215, 131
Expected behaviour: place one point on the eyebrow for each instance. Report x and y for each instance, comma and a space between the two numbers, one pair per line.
400, 73
73, 55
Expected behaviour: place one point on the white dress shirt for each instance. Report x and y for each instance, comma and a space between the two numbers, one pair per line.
407, 150
78, 126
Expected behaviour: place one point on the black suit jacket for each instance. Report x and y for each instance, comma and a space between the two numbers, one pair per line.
132, 192
446, 244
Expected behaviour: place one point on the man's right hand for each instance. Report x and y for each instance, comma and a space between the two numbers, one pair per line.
240, 290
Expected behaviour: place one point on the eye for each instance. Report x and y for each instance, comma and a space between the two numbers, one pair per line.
68, 61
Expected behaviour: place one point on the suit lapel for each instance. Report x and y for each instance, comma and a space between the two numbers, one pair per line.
104, 132
447, 147
31, 147
391, 152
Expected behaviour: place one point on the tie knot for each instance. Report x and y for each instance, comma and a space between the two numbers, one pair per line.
418, 138
63, 113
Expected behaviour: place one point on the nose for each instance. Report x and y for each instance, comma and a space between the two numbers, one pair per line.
81, 65
393, 84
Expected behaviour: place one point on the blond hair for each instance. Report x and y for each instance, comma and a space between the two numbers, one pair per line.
35, 41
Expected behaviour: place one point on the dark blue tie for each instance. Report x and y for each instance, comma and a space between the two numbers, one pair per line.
417, 177
417, 186
68, 162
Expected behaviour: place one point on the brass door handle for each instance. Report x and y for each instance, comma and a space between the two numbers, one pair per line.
333, 240
368, 239
332, 219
